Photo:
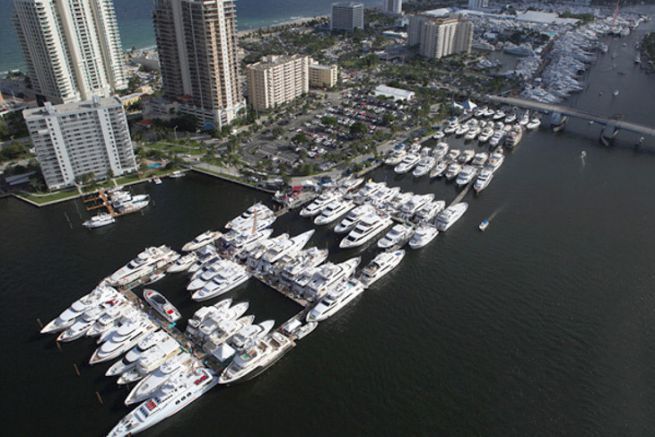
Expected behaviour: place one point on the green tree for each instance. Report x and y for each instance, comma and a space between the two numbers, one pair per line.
358, 129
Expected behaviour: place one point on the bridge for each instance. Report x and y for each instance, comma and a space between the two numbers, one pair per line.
571, 112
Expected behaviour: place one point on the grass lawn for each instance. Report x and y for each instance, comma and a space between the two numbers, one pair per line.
50, 197
176, 148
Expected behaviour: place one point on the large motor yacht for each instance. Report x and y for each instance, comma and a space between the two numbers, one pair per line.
480, 159
369, 227
98, 221
230, 276
201, 240
256, 359
466, 175
147, 387
453, 170
150, 360
258, 215
335, 300
333, 211
418, 201
439, 169
382, 264
483, 180
143, 265
122, 339
99, 295
497, 137
132, 356
424, 234
326, 277
320, 203
450, 215
495, 161
424, 166
429, 211
288, 248
397, 235
466, 156
407, 164
183, 263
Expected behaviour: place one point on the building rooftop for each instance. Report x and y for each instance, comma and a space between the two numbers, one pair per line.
50, 109
348, 4
273, 60
396, 93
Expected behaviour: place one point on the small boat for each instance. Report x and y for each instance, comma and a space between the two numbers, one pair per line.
615, 93
98, 221
156, 180
161, 305
483, 225
177, 174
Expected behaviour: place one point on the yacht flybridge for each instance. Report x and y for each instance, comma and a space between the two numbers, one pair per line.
382, 264
369, 227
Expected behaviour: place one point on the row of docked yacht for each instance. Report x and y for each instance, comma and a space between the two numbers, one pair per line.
144, 265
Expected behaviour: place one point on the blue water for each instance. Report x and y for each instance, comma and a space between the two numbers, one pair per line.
134, 19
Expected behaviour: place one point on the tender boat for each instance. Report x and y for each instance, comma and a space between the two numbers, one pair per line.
366, 230
484, 225
161, 305
450, 215
256, 359
335, 300
382, 264
424, 234
98, 221
397, 235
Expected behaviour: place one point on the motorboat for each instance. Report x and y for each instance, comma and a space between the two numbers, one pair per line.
533, 124
99, 220
257, 358
214, 318
350, 183
525, 119
143, 265
305, 260
498, 115
224, 330
176, 394
202, 277
484, 224
325, 278
429, 211
366, 230
177, 174
285, 248
438, 135
483, 180
511, 118
150, 360
148, 386
453, 170
486, 134
201, 240
236, 242
407, 164
67, 318
320, 203
383, 196
496, 159
335, 300
397, 235
122, 339
450, 215
250, 334
439, 169
480, 159
333, 211
497, 137
228, 278
161, 305
256, 217
205, 255
81, 325
514, 137
453, 154
466, 156
183, 263
451, 128
440, 151
382, 264
395, 157
472, 133
462, 130
132, 356
424, 234
417, 201
424, 166
369, 189
109, 318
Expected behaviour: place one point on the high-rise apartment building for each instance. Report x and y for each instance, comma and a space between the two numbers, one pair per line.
72, 48
347, 16
197, 45
392, 7
80, 138
276, 80
439, 37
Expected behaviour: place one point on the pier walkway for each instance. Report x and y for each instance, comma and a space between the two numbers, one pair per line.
572, 112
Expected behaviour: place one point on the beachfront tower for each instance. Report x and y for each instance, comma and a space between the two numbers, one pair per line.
197, 45
72, 48
347, 16
394, 7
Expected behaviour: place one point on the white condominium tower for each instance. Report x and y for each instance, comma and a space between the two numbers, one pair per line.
439, 37
72, 48
81, 138
392, 7
197, 47
347, 16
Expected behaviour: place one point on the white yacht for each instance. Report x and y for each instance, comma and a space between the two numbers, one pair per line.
100, 294
480, 159
160, 304
259, 213
511, 118
205, 254
499, 115
466, 175
132, 356
382, 264
466, 156
453, 170
286, 248
397, 235
453, 154
148, 386
306, 260
224, 330
450, 215
257, 358
424, 166
82, 324
407, 164
353, 217
424, 234
395, 157
383, 196
235, 242
439, 169
496, 160
183, 263
350, 183
438, 135
483, 180
326, 277
533, 124
333, 211
366, 230
122, 339
525, 119
320, 203
472, 133
109, 318
201, 240
368, 190
202, 277
440, 151
144, 265
228, 278
212, 320
98, 221
150, 360
497, 138
335, 300
250, 334
429, 211
417, 202
486, 134
462, 130
176, 394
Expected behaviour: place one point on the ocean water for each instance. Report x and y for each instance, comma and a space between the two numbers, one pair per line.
134, 20
541, 326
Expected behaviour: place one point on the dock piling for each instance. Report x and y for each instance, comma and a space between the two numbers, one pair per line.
77, 370
58, 345
38, 322
100, 401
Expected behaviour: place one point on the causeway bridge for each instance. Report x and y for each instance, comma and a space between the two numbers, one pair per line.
645, 131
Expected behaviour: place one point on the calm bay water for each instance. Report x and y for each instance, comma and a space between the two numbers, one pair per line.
135, 23
543, 325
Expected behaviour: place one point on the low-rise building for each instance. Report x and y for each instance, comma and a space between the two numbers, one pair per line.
81, 139
323, 76
394, 93
276, 80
